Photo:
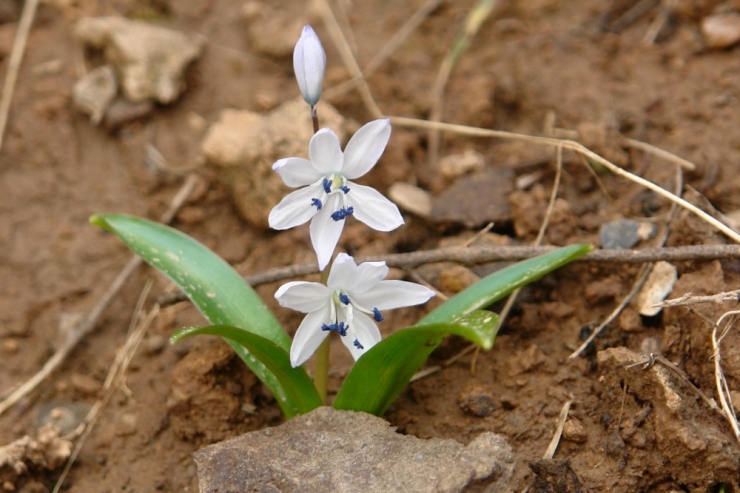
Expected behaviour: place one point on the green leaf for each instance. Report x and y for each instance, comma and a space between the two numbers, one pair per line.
214, 287
384, 370
501, 283
297, 385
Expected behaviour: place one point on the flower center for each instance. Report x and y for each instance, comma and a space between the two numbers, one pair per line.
334, 184
342, 316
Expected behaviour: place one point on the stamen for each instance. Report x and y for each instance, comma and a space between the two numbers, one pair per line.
327, 185
358, 345
344, 298
329, 328
317, 203
342, 213
342, 329
377, 316
344, 188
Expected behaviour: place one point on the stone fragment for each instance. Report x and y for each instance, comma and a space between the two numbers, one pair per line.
721, 30
455, 278
47, 451
343, 451
456, 165
410, 198
702, 450
476, 199
263, 21
150, 60
574, 431
658, 285
95, 91
625, 233
476, 401
243, 146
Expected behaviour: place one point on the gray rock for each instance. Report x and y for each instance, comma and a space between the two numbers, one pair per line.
476, 199
95, 91
625, 233
243, 145
150, 60
342, 451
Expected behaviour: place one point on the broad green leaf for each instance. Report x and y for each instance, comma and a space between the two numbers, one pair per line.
501, 283
215, 288
384, 370
297, 386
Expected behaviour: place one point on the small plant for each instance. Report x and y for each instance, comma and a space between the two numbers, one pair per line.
350, 299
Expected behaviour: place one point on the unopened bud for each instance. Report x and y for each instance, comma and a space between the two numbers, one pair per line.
309, 63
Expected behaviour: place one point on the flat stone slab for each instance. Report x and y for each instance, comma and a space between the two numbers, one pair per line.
343, 451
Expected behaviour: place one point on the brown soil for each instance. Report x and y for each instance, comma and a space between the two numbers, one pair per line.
530, 60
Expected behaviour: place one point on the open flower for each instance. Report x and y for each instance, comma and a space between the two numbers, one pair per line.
328, 196
349, 304
309, 63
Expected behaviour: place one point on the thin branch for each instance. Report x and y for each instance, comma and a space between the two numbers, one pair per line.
76, 334
476, 255
689, 299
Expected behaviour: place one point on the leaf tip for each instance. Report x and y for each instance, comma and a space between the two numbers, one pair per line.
100, 221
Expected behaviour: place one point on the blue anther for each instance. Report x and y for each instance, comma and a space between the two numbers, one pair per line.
377, 316
342, 213
342, 329
327, 185
358, 345
344, 298
329, 328
344, 188
317, 203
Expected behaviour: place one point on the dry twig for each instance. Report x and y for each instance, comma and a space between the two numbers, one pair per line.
689, 299
723, 390
562, 418
90, 321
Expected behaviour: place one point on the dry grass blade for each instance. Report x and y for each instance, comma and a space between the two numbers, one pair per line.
562, 418
576, 147
723, 390
477, 15
140, 323
14, 65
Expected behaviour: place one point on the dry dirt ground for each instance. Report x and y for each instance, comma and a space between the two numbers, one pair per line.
533, 65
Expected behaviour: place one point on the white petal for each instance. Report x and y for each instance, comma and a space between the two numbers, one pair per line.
362, 329
372, 208
309, 336
309, 63
325, 232
365, 148
295, 208
347, 275
325, 152
296, 171
394, 294
303, 296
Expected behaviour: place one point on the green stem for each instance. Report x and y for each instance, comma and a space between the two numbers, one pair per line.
321, 375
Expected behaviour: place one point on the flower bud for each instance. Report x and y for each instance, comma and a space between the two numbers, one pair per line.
309, 63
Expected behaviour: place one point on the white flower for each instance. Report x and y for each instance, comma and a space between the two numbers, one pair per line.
329, 196
309, 64
349, 305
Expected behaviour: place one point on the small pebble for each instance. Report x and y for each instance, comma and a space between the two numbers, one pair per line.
721, 30
657, 287
625, 233
456, 165
477, 402
411, 199
574, 431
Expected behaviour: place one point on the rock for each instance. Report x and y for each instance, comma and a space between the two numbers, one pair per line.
625, 233
456, 165
410, 198
150, 60
476, 401
95, 91
554, 475
658, 285
702, 451
343, 451
263, 21
243, 145
47, 451
574, 431
721, 30
476, 199
454, 278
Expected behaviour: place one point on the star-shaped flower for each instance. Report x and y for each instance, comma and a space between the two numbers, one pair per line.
328, 195
349, 304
